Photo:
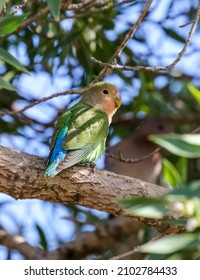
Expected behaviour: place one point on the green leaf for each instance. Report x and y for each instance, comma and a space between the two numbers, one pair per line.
182, 167
194, 91
174, 35
148, 207
171, 244
6, 85
10, 23
186, 145
170, 173
43, 240
7, 57
191, 191
55, 8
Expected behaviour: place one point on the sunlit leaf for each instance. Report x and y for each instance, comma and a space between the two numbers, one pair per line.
186, 145
182, 167
7, 57
55, 8
194, 91
171, 244
170, 173
6, 85
148, 207
190, 191
10, 23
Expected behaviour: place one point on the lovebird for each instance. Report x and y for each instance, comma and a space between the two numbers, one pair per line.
137, 146
80, 133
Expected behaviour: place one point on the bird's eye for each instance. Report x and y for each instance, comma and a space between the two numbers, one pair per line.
160, 127
105, 91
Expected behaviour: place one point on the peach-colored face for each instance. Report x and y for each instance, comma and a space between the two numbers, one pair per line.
103, 96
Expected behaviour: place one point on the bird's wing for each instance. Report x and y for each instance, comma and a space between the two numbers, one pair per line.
63, 125
65, 120
88, 128
88, 153
85, 141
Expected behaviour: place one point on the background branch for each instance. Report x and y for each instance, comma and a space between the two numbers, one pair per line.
125, 41
113, 65
103, 72
96, 242
17, 242
121, 158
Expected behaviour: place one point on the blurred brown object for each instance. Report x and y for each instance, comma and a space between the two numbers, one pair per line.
149, 169
137, 146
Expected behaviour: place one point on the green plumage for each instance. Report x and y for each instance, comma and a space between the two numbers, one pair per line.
80, 132
87, 129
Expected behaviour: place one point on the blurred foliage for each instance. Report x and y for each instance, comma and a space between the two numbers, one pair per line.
55, 46
180, 207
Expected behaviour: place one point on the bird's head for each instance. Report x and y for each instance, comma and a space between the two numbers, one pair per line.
154, 126
103, 96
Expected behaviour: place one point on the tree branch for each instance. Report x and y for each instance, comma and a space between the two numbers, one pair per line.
65, 6
135, 250
71, 91
22, 178
113, 65
87, 243
18, 243
121, 158
123, 44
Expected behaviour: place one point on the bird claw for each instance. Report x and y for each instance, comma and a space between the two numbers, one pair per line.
90, 165
93, 166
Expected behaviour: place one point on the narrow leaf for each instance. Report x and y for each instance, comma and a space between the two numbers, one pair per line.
194, 91
148, 207
186, 145
182, 166
170, 173
171, 244
43, 240
147, 211
7, 57
191, 191
174, 35
6, 85
10, 23
55, 8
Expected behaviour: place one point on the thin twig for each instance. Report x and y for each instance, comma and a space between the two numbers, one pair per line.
127, 254
75, 91
42, 13
186, 24
136, 249
93, 11
116, 66
120, 157
65, 6
124, 42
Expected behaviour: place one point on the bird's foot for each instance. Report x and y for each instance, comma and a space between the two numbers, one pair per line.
90, 165
93, 166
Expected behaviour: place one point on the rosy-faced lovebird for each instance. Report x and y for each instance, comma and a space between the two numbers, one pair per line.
80, 133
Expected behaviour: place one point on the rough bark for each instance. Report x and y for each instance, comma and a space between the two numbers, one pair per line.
21, 176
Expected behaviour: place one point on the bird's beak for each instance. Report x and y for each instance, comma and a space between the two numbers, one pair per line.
117, 103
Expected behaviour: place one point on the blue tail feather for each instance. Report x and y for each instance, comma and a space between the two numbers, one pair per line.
57, 154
